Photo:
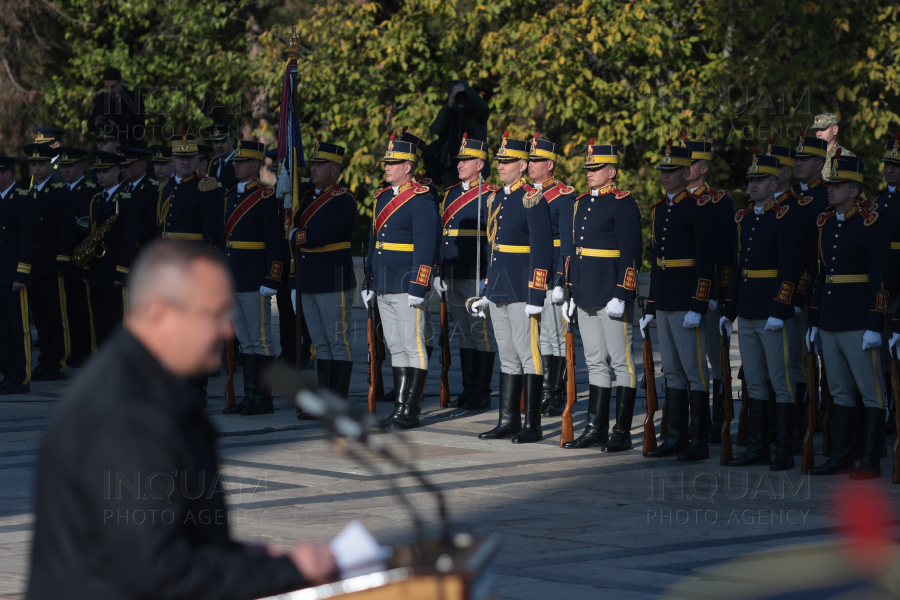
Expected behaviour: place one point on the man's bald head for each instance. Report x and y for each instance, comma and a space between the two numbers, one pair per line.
179, 305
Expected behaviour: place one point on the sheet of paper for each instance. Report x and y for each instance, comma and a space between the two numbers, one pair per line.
357, 553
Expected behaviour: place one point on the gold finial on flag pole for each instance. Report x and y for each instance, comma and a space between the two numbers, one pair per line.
294, 52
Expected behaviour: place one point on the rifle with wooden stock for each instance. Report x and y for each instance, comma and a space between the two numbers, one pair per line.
568, 427
808, 461
727, 400
743, 423
445, 353
373, 370
649, 385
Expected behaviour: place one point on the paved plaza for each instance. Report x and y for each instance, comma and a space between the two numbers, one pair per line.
572, 523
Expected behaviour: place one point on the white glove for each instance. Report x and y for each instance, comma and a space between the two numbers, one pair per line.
797, 310
615, 308
713, 306
294, 300
439, 286
645, 320
893, 342
811, 338
533, 310
774, 324
568, 309
415, 300
267, 291
478, 307
871, 339
691, 320
556, 296
725, 327
366, 296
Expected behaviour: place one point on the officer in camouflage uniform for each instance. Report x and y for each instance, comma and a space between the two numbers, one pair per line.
826, 128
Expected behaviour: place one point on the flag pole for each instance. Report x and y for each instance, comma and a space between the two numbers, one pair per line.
294, 54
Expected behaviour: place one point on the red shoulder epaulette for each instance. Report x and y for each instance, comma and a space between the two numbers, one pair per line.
739, 215
870, 215
714, 195
382, 189
824, 217
492, 188
620, 193
701, 200
419, 188
780, 210
564, 189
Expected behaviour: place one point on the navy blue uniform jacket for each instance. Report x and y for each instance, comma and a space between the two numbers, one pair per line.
683, 255
18, 237
521, 246
403, 240
459, 235
324, 231
184, 211
120, 241
55, 231
611, 223
767, 264
561, 200
723, 216
143, 197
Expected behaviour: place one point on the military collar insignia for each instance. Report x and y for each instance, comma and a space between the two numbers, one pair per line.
815, 183
606, 189
679, 196
518, 183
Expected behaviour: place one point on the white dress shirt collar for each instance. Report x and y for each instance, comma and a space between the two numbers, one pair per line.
72, 185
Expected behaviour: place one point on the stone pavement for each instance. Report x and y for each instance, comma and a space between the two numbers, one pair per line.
573, 524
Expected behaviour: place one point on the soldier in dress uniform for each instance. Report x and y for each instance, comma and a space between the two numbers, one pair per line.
458, 278
323, 230
542, 157
602, 270
848, 312
18, 237
766, 271
80, 191
403, 248
185, 206
52, 137
682, 267
163, 165
250, 235
107, 276
142, 189
723, 216
888, 203
826, 128
519, 273
105, 138
47, 290
205, 153
222, 165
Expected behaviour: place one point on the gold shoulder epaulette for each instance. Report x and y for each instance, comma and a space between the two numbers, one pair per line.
90, 184
565, 189
124, 195
420, 189
58, 186
162, 184
154, 182
208, 184
22, 192
532, 197
304, 180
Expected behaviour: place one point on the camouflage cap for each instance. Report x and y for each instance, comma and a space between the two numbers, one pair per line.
825, 120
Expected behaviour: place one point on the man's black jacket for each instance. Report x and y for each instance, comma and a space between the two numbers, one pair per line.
128, 502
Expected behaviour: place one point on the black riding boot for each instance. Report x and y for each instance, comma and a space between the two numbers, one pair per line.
676, 425
698, 449
467, 370
785, 430
858, 442
757, 452
531, 432
341, 370
249, 388
391, 396
546, 389
510, 396
557, 387
800, 420
841, 459
715, 430
323, 373
621, 432
408, 415
401, 386
484, 372
264, 403
596, 429
870, 465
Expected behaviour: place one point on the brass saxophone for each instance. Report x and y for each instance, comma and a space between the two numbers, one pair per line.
93, 247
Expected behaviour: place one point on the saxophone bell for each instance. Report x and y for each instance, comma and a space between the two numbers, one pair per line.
100, 250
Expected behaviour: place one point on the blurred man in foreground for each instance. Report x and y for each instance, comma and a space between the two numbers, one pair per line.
151, 536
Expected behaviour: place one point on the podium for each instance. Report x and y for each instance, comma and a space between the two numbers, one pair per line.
431, 571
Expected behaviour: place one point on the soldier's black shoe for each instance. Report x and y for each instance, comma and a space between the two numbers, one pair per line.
249, 386
557, 387
677, 411
510, 422
51, 376
698, 449
531, 432
785, 430
407, 417
596, 429
6, 382
262, 406
621, 431
870, 465
38, 371
484, 373
15, 388
401, 387
715, 430
842, 426
467, 370
341, 370
264, 403
547, 367
757, 452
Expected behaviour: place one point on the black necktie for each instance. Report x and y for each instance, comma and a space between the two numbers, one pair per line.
105, 196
